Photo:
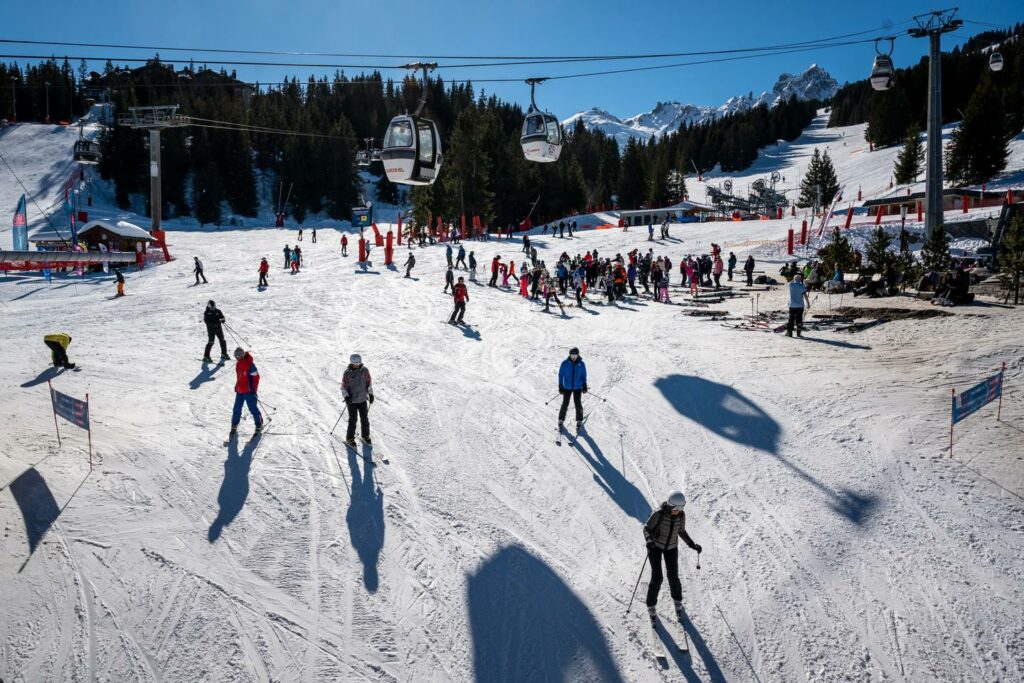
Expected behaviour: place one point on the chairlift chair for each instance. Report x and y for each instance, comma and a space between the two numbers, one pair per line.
542, 134
87, 152
412, 144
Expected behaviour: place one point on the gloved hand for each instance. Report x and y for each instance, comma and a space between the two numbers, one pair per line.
696, 546
650, 544
370, 397
585, 388
562, 391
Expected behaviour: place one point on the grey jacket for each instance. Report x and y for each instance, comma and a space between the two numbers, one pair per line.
665, 529
356, 384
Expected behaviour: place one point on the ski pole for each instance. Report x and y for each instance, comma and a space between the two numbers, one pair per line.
343, 411
603, 400
235, 335
553, 398
698, 559
270, 409
642, 568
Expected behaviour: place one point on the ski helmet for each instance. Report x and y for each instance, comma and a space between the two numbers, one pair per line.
239, 353
355, 359
676, 499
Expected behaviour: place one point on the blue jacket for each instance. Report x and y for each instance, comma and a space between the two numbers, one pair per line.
448, 251
571, 375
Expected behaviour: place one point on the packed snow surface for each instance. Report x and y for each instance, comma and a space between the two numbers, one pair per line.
840, 540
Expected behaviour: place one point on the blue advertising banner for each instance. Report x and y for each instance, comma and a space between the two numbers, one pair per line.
977, 396
71, 409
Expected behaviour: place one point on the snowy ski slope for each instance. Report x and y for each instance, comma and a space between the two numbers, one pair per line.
840, 541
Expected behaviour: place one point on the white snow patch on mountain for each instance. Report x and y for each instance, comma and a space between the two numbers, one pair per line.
812, 84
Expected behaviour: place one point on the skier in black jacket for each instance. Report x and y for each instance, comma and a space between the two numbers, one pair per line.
662, 532
214, 320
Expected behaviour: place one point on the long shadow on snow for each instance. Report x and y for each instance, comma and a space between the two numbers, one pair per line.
729, 414
43, 377
621, 490
684, 661
206, 374
528, 625
235, 488
37, 504
365, 517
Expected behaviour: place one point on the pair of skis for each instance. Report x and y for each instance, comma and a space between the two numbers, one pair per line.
383, 458
256, 435
574, 437
658, 647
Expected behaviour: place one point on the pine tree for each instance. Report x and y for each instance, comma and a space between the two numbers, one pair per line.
827, 178
633, 182
676, 184
888, 117
1011, 259
811, 182
978, 149
877, 249
935, 253
908, 163
837, 252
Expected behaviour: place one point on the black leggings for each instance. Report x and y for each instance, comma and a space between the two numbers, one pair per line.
672, 564
211, 334
577, 396
358, 410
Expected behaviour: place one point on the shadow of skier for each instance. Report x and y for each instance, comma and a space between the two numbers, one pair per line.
235, 488
365, 517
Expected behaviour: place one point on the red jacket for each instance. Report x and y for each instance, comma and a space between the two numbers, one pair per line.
344, 239
264, 266
461, 293
247, 376
494, 264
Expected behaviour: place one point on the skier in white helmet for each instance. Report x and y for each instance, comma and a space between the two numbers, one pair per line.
662, 532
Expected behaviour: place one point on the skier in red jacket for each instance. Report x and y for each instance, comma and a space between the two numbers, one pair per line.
495, 262
247, 382
264, 269
461, 295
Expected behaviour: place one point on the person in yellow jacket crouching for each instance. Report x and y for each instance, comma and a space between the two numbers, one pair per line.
58, 343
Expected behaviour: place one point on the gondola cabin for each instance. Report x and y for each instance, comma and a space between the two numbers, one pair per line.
541, 137
411, 151
882, 73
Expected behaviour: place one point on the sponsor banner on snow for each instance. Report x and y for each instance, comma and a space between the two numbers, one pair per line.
977, 396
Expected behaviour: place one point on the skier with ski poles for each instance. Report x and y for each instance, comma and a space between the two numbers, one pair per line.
119, 278
214, 320
357, 390
247, 383
662, 532
198, 271
461, 295
449, 279
263, 270
409, 263
572, 382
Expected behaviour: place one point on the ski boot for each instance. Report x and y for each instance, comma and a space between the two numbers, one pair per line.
652, 612
579, 426
207, 359
368, 441
259, 428
679, 609
789, 333
233, 433
351, 443
224, 357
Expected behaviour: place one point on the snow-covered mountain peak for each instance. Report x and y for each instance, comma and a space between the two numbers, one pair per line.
814, 83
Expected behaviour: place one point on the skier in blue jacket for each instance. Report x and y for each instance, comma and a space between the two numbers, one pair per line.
572, 381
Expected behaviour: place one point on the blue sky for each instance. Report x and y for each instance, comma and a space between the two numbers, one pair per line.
488, 27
